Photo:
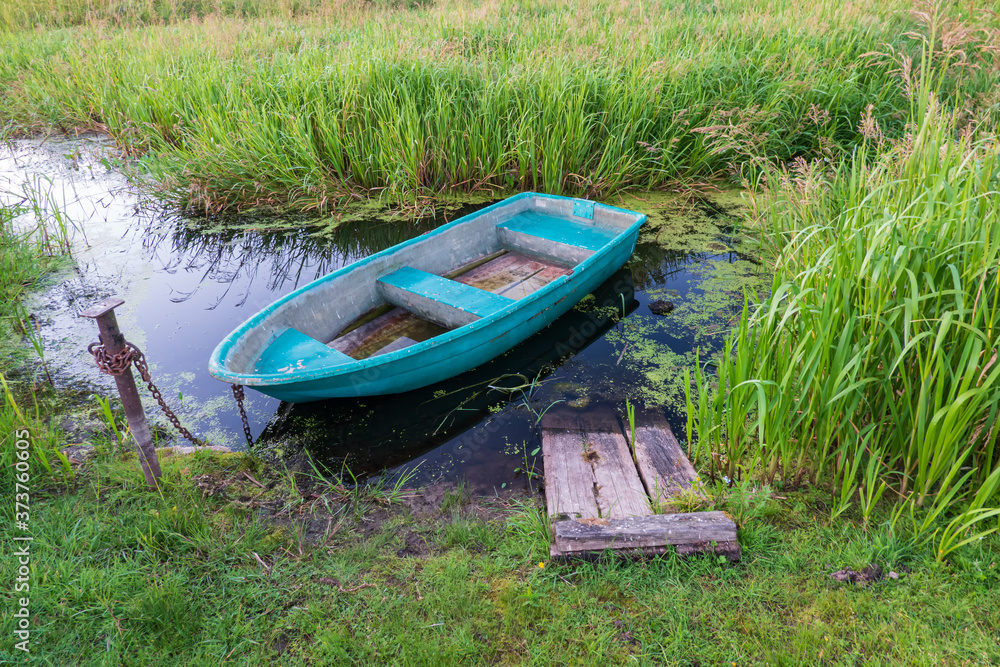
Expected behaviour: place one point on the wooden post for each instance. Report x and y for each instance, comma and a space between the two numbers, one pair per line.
114, 342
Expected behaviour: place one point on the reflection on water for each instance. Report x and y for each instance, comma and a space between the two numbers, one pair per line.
187, 284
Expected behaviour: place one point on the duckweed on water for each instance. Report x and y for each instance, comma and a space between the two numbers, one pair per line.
686, 234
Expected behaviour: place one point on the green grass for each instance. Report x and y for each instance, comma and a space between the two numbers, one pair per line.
353, 100
33, 244
873, 360
67, 13
30, 249
127, 576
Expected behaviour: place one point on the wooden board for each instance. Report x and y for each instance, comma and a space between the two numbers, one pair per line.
512, 275
371, 338
662, 464
660, 530
569, 480
602, 497
617, 486
589, 470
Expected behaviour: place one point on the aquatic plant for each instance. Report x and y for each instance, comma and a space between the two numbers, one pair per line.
27, 253
873, 363
28, 328
107, 415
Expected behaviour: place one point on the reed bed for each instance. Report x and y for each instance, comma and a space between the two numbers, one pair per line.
360, 100
873, 362
69, 13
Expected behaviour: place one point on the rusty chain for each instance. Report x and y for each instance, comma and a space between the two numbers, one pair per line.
238, 395
116, 364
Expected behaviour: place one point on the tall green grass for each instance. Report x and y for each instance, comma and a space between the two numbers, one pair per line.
66, 13
46, 462
28, 251
873, 362
31, 246
355, 101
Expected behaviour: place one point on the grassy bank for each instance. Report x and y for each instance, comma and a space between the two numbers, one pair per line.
33, 243
354, 100
215, 570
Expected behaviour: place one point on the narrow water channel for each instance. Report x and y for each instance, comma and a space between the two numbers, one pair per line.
189, 282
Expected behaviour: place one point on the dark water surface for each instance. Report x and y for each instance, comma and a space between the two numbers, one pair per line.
188, 283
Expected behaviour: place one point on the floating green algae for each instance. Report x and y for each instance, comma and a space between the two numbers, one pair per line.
695, 252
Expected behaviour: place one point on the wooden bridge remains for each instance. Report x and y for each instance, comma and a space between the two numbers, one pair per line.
604, 492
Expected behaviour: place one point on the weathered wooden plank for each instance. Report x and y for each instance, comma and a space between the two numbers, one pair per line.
397, 344
619, 490
513, 275
561, 418
664, 467
569, 479
372, 337
619, 516
591, 441
596, 419
644, 531
731, 550
347, 342
600, 419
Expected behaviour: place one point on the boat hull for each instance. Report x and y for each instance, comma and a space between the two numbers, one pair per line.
446, 355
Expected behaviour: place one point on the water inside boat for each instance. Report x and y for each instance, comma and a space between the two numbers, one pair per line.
389, 328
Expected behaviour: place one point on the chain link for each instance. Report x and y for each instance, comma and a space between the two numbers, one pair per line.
239, 396
116, 364
119, 363
112, 364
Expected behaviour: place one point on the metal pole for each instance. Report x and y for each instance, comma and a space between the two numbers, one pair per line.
114, 342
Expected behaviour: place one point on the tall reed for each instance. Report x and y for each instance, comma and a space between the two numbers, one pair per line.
360, 100
873, 362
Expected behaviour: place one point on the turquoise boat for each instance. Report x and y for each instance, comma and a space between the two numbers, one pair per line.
434, 306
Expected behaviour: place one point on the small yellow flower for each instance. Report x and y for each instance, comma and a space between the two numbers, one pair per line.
541, 565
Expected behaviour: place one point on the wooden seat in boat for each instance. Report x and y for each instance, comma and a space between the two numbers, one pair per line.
447, 302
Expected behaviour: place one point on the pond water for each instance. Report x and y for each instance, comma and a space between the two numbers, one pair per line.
189, 282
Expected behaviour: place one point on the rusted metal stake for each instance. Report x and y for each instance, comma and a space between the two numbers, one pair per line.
114, 342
